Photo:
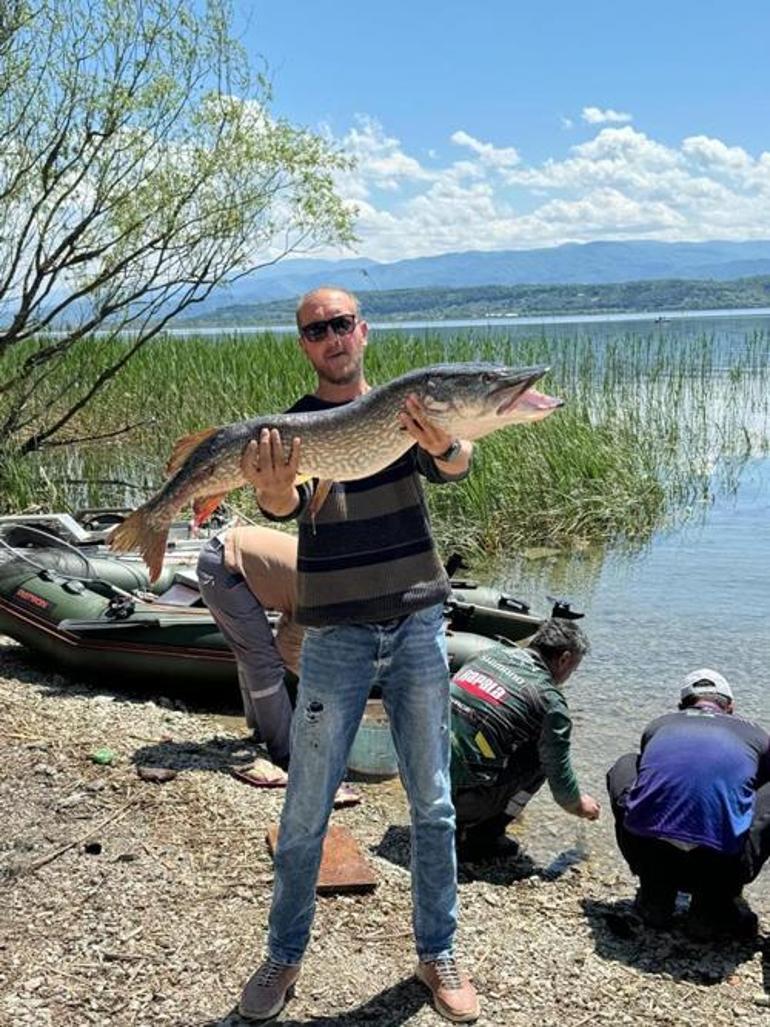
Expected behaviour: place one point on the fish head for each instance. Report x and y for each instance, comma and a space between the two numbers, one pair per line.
471, 400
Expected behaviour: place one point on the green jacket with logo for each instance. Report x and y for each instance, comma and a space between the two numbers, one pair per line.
509, 721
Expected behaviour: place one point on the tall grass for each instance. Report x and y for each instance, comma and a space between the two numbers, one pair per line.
653, 426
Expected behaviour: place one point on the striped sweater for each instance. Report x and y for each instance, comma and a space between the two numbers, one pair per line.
370, 556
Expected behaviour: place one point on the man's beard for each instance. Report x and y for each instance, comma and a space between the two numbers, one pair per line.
351, 374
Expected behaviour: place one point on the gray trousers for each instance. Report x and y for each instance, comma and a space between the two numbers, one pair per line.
242, 620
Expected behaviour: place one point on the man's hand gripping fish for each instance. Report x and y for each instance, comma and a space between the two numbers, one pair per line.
351, 441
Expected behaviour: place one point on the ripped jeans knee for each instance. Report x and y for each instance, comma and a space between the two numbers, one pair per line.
313, 711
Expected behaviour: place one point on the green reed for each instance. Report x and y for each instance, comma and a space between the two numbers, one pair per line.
654, 425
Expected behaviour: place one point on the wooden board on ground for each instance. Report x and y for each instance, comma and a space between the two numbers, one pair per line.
344, 868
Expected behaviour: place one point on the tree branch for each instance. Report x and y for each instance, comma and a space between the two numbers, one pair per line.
50, 444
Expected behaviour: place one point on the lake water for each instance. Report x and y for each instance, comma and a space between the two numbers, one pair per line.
508, 325
730, 331
731, 323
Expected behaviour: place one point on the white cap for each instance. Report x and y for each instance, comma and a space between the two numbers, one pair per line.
704, 682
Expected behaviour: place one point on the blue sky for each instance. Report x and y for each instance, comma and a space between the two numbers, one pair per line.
504, 125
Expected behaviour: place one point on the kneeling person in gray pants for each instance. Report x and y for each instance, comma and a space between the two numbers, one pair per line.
242, 574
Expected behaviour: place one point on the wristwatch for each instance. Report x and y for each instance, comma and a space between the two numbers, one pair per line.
451, 453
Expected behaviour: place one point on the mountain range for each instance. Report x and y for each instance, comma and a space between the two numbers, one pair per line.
573, 263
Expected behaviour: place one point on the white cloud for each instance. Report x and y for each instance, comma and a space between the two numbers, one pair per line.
566, 123
714, 151
619, 184
597, 116
487, 153
608, 209
381, 162
615, 155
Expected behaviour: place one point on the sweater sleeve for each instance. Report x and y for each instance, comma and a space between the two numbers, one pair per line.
554, 746
426, 465
305, 491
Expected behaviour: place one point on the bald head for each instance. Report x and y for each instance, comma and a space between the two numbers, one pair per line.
327, 294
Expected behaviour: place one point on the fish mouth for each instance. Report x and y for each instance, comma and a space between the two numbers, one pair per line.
535, 406
511, 387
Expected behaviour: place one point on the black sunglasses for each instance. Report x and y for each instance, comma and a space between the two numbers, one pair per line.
342, 324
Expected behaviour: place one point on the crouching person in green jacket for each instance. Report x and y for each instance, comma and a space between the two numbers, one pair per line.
511, 732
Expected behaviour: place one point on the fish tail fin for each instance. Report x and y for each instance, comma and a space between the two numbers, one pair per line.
140, 531
204, 507
184, 446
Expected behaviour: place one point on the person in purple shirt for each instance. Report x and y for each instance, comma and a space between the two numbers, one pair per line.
692, 810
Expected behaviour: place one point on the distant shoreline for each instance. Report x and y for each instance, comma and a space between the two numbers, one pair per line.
665, 298
656, 317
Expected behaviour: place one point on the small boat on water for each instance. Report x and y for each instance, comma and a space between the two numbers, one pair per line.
92, 613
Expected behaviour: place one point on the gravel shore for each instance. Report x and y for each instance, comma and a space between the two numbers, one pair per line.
125, 901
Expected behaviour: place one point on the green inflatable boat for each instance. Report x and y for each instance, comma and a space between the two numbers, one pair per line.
94, 614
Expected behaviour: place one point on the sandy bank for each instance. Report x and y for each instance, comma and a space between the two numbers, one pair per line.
156, 915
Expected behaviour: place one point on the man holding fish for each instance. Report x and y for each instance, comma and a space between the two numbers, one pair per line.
370, 594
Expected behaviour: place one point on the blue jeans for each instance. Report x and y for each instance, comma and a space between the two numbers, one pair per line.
339, 665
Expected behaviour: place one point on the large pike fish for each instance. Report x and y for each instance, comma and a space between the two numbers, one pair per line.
348, 442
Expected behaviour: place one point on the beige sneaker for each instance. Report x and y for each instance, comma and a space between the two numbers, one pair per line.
267, 990
453, 994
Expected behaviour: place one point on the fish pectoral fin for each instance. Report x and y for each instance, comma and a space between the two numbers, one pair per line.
300, 479
184, 446
322, 490
204, 507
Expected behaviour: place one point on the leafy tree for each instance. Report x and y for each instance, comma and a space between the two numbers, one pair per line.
140, 168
